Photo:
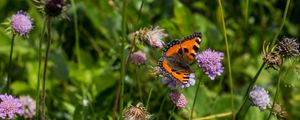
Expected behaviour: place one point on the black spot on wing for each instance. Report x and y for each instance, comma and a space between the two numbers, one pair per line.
185, 50
195, 48
193, 54
180, 51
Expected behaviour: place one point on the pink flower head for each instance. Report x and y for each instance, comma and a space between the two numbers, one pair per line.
178, 99
21, 23
138, 58
28, 106
10, 107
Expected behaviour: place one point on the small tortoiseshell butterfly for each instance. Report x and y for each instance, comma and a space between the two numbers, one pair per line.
178, 55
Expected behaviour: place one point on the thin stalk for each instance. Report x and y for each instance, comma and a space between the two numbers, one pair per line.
195, 98
10, 60
161, 107
140, 12
148, 100
45, 69
246, 13
248, 90
254, 80
77, 47
276, 93
221, 115
123, 40
228, 58
116, 102
37, 98
283, 21
137, 78
172, 112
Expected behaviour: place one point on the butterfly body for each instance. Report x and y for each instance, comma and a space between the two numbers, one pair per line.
178, 55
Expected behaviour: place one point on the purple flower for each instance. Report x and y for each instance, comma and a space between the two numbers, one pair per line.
173, 83
28, 106
10, 107
259, 97
178, 99
210, 62
138, 58
21, 23
288, 47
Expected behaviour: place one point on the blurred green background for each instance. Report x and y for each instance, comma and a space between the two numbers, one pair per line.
92, 74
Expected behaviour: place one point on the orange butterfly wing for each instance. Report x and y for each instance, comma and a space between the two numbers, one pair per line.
186, 47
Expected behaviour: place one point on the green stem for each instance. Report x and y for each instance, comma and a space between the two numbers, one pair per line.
242, 109
282, 24
139, 85
148, 100
37, 98
228, 58
161, 107
246, 13
123, 40
77, 47
140, 12
254, 80
195, 98
45, 69
276, 93
10, 62
172, 112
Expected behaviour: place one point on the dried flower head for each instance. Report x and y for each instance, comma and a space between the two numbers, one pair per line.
54, 8
21, 23
138, 58
137, 112
10, 107
173, 83
152, 36
288, 47
178, 99
259, 97
28, 106
273, 60
279, 112
210, 62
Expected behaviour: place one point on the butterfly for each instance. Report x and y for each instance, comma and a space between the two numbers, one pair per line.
178, 55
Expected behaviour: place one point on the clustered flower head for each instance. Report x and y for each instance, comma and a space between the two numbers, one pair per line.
21, 23
137, 112
178, 99
10, 107
152, 36
138, 58
259, 97
210, 62
173, 83
288, 47
28, 106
